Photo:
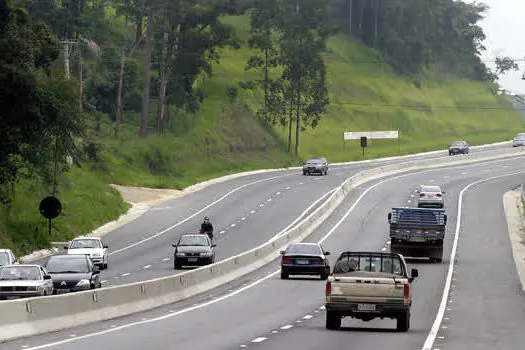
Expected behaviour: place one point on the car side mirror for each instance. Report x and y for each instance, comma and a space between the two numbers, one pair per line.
174, 245
213, 245
389, 217
282, 252
105, 246
66, 247
326, 253
96, 270
47, 277
445, 218
418, 191
414, 273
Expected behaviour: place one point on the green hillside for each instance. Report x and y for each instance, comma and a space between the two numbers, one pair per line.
225, 137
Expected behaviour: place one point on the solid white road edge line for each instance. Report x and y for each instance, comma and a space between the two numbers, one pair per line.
261, 280
429, 342
197, 213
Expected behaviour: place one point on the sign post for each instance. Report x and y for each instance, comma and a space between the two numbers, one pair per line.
363, 136
50, 208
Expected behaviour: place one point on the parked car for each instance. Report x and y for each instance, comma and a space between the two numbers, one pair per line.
92, 246
430, 197
458, 147
315, 166
73, 273
193, 249
519, 140
7, 257
24, 281
305, 259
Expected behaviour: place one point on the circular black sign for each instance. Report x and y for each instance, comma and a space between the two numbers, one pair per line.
50, 207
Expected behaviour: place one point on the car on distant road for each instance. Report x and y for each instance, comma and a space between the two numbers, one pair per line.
430, 197
315, 166
305, 259
24, 281
458, 147
519, 140
193, 249
73, 273
95, 247
369, 285
7, 257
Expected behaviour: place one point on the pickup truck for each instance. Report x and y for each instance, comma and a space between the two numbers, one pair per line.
417, 232
369, 285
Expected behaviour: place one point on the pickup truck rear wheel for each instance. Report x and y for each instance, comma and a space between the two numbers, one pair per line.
333, 320
403, 322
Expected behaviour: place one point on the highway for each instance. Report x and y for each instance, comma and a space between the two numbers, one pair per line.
262, 311
245, 212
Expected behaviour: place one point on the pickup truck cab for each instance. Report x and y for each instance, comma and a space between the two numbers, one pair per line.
369, 285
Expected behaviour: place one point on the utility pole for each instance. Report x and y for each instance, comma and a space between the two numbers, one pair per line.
68, 44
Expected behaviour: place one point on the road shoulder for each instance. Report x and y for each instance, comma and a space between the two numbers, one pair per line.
514, 211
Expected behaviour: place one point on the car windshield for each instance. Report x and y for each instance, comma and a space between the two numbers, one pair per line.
353, 263
85, 244
20, 273
430, 189
314, 161
193, 240
458, 144
303, 249
4, 259
520, 137
70, 265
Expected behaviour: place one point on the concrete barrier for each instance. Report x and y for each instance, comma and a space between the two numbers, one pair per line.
46, 314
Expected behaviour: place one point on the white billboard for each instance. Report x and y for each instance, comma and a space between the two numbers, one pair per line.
371, 135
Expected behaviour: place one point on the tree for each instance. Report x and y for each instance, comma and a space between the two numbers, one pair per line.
504, 65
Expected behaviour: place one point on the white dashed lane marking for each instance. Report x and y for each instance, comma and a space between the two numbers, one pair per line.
165, 259
126, 274
258, 340
287, 188
288, 326
147, 266
307, 317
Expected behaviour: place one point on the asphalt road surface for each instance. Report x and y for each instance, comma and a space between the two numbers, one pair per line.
246, 212
262, 311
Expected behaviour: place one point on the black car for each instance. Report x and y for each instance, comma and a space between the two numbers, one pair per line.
73, 273
193, 249
305, 259
458, 147
315, 166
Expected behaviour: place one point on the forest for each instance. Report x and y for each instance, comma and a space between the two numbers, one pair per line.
67, 67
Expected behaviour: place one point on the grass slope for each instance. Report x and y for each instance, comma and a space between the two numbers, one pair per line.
225, 137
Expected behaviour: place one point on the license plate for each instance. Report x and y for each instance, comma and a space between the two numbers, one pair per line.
192, 259
302, 262
417, 239
366, 307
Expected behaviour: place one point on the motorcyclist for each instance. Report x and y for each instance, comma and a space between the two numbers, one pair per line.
207, 227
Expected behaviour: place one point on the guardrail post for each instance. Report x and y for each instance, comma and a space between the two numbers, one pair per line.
143, 288
28, 307
181, 279
95, 297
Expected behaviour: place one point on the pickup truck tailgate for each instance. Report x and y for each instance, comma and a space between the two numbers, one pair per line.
366, 289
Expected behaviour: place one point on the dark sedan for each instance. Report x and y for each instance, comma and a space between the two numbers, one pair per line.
193, 249
458, 147
315, 166
305, 259
73, 273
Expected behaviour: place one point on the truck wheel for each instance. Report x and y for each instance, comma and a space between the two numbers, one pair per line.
333, 320
403, 322
176, 265
284, 275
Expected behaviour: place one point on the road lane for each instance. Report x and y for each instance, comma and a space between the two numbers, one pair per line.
272, 304
486, 304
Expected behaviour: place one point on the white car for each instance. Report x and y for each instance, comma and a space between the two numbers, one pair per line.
24, 281
93, 246
7, 257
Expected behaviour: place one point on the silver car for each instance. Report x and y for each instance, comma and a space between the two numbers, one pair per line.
23, 281
430, 197
7, 257
519, 140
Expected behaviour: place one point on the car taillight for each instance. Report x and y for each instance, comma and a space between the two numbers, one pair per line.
399, 241
287, 260
319, 260
328, 288
421, 195
406, 290
438, 194
433, 242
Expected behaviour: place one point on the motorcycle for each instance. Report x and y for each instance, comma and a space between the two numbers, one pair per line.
209, 233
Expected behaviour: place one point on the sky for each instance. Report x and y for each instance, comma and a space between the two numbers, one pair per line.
504, 26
